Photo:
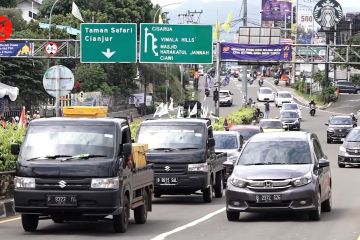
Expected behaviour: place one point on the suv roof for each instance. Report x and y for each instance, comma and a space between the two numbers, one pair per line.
280, 136
284, 92
178, 121
346, 116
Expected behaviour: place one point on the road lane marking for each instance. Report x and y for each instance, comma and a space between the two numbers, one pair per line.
191, 224
10, 220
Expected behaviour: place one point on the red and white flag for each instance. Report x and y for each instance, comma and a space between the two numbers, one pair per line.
22, 120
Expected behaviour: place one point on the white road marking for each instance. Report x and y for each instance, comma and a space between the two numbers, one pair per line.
191, 224
10, 220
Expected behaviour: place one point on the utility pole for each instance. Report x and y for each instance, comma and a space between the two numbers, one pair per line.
244, 68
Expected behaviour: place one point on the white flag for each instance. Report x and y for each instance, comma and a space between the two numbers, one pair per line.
171, 106
76, 12
159, 110
164, 110
178, 115
194, 110
189, 112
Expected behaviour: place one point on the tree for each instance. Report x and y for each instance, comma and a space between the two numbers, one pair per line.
8, 3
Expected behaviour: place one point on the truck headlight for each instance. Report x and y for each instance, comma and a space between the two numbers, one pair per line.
342, 151
301, 181
24, 183
237, 182
105, 183
199, 167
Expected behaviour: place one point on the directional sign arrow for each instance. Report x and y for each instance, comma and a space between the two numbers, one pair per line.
108, 53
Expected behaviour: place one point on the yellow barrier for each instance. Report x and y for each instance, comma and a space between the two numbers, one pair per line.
85, 111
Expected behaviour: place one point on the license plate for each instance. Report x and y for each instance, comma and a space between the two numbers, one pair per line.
268, 198
60, 200
167, 180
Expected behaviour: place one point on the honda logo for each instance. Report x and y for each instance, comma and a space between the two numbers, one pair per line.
167, 168
62, 184
268, 184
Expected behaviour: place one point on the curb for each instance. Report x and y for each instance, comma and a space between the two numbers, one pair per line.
7, 208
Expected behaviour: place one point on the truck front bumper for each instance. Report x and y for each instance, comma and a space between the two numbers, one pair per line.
181, 184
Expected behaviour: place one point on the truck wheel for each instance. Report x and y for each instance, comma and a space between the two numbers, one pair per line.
219, 185
140, 213
208, 193
29, 222
232, 216
121, 221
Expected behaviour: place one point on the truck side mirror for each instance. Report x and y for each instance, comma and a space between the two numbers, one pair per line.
15, 149
211, 143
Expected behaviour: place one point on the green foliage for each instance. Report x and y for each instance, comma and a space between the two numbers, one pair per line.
134, 126
356, 79
241, 116
299, 86
319, 76
8, 3
15, 17
328, 95
11, 134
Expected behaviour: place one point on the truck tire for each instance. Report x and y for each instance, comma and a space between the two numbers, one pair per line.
29, 222
121, 221
219, 185
140, 213
208, 193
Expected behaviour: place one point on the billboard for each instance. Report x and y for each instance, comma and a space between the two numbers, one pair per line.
306, 23
275, 10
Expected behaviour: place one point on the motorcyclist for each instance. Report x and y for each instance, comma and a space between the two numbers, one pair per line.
312, 104
261, 80
353, 117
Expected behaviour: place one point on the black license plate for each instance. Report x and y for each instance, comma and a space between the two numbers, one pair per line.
268, 198
167, 180
61, 200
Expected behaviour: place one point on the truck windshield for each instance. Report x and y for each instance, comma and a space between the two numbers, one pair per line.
68, 140
175, 137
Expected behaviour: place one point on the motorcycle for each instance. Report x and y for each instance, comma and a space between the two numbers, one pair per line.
258, 114
312, 110
261, 82
276, 81
207, 92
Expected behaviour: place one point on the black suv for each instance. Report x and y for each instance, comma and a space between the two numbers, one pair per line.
347, 87
338, 127
280, 171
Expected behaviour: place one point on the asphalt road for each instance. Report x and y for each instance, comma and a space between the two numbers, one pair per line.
187, 217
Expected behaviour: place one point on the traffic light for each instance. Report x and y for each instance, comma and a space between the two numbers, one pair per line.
216, 95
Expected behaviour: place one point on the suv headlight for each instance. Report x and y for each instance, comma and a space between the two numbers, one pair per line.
331, 129
105, 183
237, 182
24, 183
301, 181
342, 151
199, 167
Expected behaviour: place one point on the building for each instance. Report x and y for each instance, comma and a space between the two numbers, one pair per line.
347, 27
29, 8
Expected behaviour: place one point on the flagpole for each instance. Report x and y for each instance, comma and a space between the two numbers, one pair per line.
217, 103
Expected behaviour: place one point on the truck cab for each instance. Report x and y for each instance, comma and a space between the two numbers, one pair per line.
80, 169
183, 154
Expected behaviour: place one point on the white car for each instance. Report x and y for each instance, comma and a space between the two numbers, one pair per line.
291, 106
283, 97
265, 94
225, 97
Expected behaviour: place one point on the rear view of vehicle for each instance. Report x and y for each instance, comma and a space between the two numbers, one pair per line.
271, 125
280, 172
225, 98
291, 107
265, 94
283, 97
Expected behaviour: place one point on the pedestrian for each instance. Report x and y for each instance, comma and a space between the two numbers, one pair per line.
267, 109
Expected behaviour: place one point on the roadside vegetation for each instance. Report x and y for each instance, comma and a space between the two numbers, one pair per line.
10, 134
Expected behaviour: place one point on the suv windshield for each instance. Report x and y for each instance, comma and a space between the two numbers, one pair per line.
172, 136
341, 121
265, 91
354, 136
276, 152
70, 140
289, 115
270, 124
285, 95
225, 141
290, 107
224, 94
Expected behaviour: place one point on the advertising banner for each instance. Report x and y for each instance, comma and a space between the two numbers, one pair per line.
16, 48
306, 23
275, 10
256, 52
138, 98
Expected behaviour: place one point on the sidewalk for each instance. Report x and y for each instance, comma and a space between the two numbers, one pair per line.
299, 99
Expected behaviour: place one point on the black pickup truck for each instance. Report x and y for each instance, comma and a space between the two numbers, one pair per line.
80, 169
183, 154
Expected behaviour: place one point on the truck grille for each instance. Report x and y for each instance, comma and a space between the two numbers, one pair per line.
62, 184
180, 169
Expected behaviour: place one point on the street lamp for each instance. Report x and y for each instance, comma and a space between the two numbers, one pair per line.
163, 7
52, 7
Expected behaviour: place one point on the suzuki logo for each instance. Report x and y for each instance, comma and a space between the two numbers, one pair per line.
167, 168
62, 184
268, 184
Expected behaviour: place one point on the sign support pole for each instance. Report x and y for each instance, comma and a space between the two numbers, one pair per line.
218, 83
57, 99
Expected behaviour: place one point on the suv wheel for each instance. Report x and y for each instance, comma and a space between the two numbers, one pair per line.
232, 216
29, 222
327, 204
315, 215
357, 91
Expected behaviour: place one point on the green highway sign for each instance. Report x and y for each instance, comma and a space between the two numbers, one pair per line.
164, 43
108, 42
